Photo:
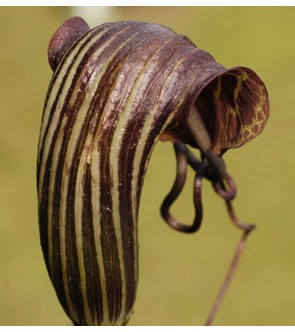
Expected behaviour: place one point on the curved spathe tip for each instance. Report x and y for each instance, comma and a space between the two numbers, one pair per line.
234, 107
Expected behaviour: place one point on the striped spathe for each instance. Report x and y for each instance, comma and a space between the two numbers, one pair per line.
115, 91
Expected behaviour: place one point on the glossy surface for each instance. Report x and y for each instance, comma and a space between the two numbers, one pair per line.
263, 290
114, 92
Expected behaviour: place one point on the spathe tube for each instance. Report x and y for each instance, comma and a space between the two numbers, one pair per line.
117, 89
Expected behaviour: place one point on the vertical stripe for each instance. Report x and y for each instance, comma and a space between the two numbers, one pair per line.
59, 91
126, 221
66, 191
115, 91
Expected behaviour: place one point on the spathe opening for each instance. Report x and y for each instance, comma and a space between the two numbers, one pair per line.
234, 107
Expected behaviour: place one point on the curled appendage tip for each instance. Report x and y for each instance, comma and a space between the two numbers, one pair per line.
181, 158
226, 188
247, 228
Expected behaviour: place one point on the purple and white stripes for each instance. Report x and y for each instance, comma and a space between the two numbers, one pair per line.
115, 91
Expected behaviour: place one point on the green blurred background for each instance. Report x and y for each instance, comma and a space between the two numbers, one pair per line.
179, 274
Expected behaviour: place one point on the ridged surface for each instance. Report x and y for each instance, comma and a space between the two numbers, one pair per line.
116, 90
